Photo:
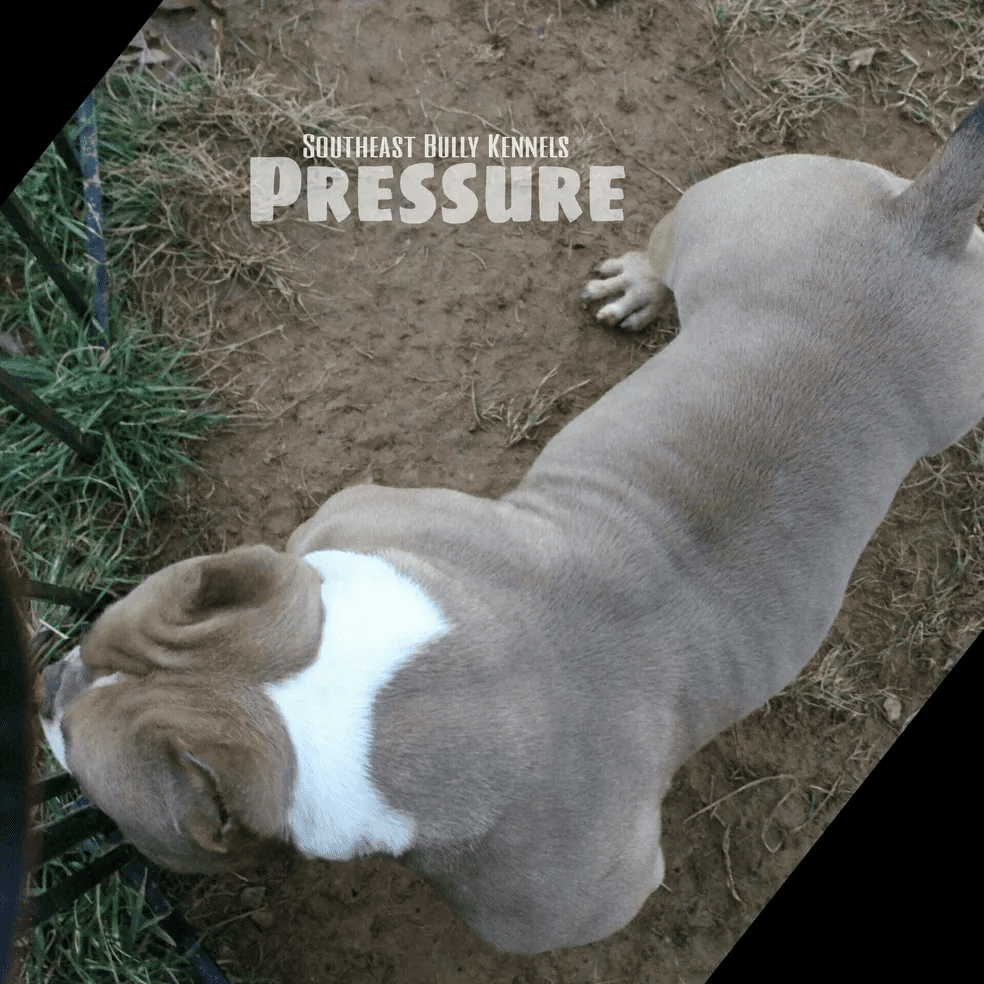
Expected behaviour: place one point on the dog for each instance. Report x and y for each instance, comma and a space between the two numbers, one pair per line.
499, 691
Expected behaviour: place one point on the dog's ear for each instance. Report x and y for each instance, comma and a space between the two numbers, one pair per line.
244, 577
226, 821
205, 817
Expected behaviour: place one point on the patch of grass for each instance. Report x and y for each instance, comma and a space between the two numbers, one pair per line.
192, 177
88, 525
522, 416
837, 52
108, 935
84, 525
174, 197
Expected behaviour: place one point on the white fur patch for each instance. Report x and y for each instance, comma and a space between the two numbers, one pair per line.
107, 681
52, 726
53, 732
375, 621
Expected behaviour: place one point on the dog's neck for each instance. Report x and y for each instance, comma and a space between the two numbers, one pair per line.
375, 621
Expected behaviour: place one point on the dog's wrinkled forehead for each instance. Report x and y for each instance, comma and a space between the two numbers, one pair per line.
249, 614
129, 634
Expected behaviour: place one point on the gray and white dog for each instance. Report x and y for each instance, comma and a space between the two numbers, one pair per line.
500, 691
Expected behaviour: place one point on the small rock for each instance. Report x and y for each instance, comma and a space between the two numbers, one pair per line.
252, 898
263, 918
893, 708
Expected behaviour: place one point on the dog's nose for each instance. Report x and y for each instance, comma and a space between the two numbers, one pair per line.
50, 682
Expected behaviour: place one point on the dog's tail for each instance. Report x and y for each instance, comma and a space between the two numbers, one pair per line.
942, 204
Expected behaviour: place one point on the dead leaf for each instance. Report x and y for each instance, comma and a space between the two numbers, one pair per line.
893, 708
862, 56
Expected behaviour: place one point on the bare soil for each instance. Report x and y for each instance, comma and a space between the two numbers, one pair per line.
412, 346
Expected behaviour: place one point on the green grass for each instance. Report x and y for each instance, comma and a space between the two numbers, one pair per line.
171, 166
108, 935
89, 526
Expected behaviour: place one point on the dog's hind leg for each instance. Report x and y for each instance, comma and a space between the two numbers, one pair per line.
639, 279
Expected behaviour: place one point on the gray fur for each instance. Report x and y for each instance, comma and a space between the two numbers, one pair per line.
679, 551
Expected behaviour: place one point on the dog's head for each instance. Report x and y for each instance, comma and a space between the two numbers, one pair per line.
161, 713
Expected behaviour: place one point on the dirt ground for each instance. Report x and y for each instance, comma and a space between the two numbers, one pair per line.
415, 350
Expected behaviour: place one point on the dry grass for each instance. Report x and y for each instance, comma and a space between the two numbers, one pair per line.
839, 52
201, 133
521, 416
917, 596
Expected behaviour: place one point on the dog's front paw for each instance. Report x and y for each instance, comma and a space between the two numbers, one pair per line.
632, 277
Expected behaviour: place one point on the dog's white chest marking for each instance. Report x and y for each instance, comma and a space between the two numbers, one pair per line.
375, 621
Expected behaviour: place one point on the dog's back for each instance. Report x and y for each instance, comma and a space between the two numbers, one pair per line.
832, 333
